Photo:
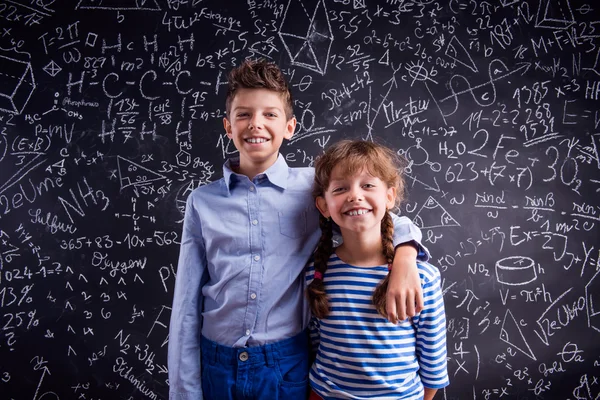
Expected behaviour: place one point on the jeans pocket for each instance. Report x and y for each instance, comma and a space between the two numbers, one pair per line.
292, 372
292, 224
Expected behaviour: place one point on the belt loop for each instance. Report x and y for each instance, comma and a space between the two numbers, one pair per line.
215, 350
269, 356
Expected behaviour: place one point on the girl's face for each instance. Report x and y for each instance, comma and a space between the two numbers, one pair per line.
356, 203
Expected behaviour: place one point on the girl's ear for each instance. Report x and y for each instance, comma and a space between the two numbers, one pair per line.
391, 198
322, 206
227, 126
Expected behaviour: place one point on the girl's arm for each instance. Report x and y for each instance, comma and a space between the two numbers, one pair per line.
429, 393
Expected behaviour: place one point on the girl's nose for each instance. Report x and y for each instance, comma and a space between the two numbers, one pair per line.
354, 195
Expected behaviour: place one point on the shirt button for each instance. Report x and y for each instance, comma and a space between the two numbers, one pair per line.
247, 332
253, 296
256, 258
254, 222
251, 188
243, 356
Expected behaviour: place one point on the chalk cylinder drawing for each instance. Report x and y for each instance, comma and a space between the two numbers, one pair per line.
515, 270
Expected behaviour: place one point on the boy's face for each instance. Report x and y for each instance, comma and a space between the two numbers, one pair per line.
257, 125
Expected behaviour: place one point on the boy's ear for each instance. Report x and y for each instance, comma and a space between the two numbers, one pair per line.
290, 127
227, 126
322, 206
391, 198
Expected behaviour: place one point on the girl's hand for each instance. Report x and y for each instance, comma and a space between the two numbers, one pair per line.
405, 294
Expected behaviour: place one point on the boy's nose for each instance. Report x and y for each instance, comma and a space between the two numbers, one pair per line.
255, 123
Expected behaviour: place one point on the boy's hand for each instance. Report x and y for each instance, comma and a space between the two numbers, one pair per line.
405, 294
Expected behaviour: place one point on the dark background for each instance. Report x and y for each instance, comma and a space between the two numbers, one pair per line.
111, 114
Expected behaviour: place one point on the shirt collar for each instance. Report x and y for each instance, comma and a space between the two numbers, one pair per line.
277, 173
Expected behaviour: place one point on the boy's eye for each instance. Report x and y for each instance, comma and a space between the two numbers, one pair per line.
272, 115
368, 185
242, 114
337, 190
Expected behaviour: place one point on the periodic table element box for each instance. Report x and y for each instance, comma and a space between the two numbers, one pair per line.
16, 84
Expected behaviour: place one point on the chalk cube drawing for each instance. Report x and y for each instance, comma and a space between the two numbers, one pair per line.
306, 34
592, 297
16, 84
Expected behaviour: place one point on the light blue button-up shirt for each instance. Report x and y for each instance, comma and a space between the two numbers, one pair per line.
240, 277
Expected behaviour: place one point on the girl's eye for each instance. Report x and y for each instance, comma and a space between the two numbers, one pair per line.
337, 190
368, 185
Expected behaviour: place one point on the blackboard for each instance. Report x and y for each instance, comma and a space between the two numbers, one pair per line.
111, 114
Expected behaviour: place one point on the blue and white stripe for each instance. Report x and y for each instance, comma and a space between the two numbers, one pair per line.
363, 356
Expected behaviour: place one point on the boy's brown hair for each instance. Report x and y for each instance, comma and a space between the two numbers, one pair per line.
259, 74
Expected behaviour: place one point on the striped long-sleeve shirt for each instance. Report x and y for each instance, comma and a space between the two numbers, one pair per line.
363, 356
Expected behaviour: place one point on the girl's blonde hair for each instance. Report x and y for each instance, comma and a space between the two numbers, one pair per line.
352, 156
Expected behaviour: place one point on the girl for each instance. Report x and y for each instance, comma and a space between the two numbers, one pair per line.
360, 354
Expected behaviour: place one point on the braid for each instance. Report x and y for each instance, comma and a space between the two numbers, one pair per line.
380, 293
317, 298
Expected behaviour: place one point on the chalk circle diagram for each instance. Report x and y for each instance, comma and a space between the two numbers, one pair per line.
511, 334
417, 156
306, 34
418, 72
49, 396
515, 270
433, 215
17, 84
118, 5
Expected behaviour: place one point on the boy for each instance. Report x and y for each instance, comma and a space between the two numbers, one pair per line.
238, 321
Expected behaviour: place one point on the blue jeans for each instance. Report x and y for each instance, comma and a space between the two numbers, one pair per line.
276, 371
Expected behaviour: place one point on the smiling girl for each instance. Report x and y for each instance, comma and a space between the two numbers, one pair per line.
360, 354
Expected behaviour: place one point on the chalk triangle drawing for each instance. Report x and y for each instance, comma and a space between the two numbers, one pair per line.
433, 215
131, 173
458, 53
119, 5
511, 334
554, 14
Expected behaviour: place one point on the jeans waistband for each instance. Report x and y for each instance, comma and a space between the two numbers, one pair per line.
232, 355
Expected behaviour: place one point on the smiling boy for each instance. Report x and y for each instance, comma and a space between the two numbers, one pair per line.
238, 324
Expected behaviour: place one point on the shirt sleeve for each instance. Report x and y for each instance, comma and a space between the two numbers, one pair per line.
313, 325
431, 333
186, 315
405, 231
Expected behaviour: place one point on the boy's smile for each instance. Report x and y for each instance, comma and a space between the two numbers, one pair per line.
257, 125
